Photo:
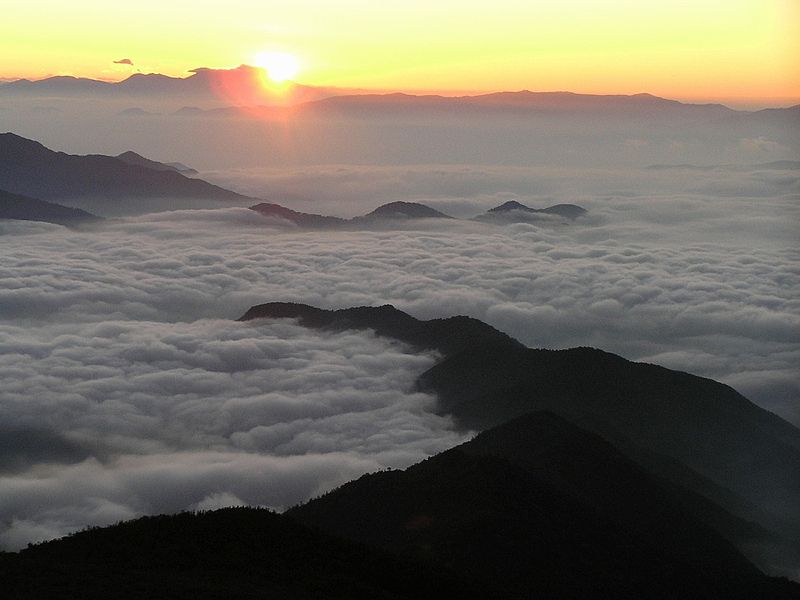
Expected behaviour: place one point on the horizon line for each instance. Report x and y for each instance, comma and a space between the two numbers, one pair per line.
751, 102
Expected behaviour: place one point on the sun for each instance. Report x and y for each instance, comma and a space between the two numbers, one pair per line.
280, 66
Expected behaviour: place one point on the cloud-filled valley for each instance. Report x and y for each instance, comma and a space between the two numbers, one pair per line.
128, 387
135, 417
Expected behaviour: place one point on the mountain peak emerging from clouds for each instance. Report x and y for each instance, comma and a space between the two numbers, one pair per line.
402, 212
567, 211
446, 335
693, 431
406, 210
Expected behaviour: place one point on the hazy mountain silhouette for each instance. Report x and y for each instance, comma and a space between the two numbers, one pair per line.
539, 507
400, 212
692, 431
132, 158
57, 85
15, 206
135, 111
231, 553
513, 211
243, 85
523, 102
28, 168
306, 220
405, 210
385, 214
781, 117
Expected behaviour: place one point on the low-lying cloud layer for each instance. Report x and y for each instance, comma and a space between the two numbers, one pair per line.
128, 388
109, 420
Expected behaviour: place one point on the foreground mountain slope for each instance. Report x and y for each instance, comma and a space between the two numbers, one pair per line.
695, 432
538, 506
17, 207
701, 423
231, 553
28, 168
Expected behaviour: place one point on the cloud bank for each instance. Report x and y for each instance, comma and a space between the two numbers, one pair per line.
128, 388
109, 420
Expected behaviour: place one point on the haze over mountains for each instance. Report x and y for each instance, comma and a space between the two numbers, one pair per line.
132, 184
234, 119
243, 86
399, 213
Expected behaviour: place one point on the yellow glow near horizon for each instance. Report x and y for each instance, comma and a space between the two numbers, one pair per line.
685, 48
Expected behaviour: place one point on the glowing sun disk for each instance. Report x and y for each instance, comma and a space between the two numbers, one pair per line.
280, 66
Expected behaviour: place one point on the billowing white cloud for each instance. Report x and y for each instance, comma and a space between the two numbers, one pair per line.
128, 388
111, 419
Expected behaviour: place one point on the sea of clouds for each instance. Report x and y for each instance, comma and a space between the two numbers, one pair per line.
129, 388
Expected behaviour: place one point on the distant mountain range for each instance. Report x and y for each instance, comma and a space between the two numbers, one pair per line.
523, 102
41, 179
244, 85
399, 212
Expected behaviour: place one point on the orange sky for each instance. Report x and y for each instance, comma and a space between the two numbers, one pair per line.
699, 49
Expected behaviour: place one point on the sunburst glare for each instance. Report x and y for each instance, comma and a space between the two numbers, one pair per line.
280, 66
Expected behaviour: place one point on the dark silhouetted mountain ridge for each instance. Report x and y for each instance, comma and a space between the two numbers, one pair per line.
694, 432
15, 206
403, 212
29, 168
538, 506
231, 553
509, 211
451, 335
